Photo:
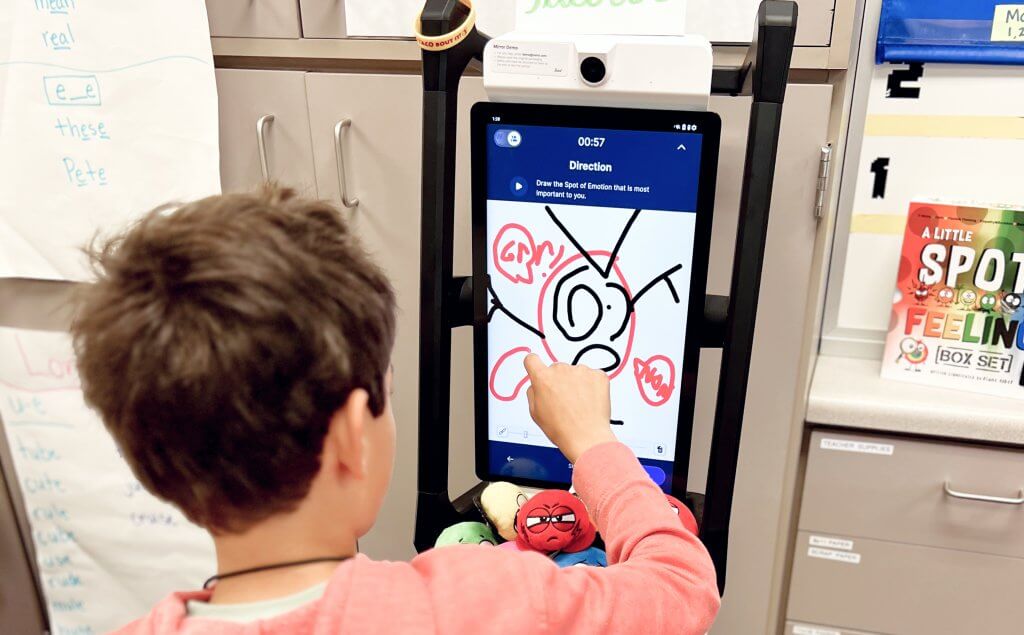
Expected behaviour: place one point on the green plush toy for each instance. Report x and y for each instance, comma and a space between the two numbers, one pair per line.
467, 533
499, 502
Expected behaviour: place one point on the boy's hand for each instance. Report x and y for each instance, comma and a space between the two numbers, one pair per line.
571, 404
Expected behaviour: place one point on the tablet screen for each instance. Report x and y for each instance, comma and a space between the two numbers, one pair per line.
594, 246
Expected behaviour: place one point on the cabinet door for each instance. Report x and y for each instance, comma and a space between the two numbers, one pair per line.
247, 96
777, 356
814, 27
323, 18
254, 18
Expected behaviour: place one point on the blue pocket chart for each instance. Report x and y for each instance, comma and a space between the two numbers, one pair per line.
951, 31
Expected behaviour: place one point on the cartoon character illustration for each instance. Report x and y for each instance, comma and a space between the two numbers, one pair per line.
468, 533
1010, 303
920, 291
968, 298
945, 296
554, 520
988, 302
913, 351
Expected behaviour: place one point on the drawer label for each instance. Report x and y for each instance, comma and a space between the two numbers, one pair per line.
831, 554
800, 629
863, 447
831, 543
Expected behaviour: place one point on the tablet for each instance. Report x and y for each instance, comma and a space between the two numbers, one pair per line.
591, 234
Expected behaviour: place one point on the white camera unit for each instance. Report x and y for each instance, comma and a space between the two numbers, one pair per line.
632, 71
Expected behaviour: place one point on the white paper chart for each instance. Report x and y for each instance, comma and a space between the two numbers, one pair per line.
106, 549
109, 109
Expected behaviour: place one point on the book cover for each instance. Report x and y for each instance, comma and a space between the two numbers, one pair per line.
957, 310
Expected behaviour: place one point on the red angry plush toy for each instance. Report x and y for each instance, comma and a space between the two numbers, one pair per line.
554, 520
684, 513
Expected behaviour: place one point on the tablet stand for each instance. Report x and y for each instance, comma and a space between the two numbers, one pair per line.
446, 301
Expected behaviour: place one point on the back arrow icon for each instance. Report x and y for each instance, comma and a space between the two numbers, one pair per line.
509, 459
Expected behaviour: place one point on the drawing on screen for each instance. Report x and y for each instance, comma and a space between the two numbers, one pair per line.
586, 309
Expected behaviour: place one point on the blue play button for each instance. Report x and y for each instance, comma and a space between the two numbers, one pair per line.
656, 473
518, 186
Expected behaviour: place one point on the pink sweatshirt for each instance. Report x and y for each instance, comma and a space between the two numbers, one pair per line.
659, 579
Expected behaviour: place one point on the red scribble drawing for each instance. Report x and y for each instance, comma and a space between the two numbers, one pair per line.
655, 378
509, 361
515, 253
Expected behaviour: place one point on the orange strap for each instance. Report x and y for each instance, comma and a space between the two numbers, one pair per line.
450, 39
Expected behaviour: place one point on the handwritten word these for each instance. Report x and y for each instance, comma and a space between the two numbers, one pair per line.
82, 130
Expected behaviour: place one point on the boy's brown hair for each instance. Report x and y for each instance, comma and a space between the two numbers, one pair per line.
220, 338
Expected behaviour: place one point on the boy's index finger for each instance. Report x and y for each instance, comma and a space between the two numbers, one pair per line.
534, 365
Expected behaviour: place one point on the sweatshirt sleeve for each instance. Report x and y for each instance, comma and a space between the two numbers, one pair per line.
660, 578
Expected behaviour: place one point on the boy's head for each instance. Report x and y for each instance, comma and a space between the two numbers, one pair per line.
238, 349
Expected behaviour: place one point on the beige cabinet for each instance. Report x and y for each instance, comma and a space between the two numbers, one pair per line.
909, 536
778, 340
254, 18
264, 130
814, 26
323, 18
380, 152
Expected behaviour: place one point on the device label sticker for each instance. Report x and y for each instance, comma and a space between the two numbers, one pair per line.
862, 447
832, 554
831, 543
530, 58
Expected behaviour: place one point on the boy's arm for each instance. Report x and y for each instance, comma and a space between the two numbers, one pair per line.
660, 578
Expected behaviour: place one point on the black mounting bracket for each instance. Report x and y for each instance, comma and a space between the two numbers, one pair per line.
446, 301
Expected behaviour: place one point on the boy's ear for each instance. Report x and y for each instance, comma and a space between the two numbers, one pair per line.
345, 433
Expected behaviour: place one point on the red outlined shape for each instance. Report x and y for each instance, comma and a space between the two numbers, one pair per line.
494, 373
515, 256
650, 376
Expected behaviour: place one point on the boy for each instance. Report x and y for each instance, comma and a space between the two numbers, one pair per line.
238, 350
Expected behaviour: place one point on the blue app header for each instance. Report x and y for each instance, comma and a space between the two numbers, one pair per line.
590, 166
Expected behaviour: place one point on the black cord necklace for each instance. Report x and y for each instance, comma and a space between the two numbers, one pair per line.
268, 567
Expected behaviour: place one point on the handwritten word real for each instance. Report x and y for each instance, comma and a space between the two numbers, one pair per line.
655, 378
61, 40
72, 90
516, 254
56, 536
22, 406
44, 484
82, 130
584, 4
84, 174
35, 451
56, 7
67, 606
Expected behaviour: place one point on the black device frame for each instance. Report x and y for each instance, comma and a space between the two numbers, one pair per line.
446, 302
709, 126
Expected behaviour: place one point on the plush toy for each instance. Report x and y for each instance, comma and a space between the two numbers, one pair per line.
468, 533
592, 557
554, 520
499, 502
684, 513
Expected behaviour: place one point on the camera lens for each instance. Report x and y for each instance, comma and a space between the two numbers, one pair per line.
592, 69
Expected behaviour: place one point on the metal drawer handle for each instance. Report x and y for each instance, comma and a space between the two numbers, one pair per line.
985, 499
339, 155
261, 143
